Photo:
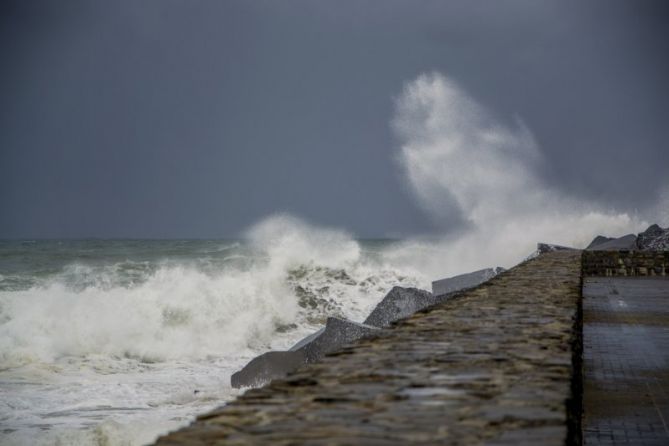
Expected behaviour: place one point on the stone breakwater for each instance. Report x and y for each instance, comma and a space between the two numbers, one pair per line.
498, 364
625, 263
626, 348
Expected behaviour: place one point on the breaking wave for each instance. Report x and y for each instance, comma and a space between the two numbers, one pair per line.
287, 278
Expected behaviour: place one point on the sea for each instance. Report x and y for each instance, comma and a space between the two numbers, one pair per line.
114, 342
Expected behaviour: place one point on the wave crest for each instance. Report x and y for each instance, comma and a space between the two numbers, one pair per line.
293, 275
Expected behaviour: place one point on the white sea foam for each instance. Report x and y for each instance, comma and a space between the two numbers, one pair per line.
178, 312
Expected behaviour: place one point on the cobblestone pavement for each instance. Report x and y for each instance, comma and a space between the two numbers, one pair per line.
626, 361
490, 366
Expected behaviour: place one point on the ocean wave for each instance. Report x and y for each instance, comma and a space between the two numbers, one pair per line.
292, 277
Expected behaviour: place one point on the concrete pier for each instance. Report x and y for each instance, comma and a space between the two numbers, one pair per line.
499, 364
626, 360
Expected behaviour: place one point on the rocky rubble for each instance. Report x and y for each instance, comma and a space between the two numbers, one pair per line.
652, 239
271, 365
398, 304
468, 280
543, 248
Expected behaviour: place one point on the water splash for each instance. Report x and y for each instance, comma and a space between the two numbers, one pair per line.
458, 159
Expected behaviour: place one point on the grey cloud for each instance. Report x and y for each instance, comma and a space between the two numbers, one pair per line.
195, 119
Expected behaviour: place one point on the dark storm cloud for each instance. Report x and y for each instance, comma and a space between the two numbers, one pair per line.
195, 119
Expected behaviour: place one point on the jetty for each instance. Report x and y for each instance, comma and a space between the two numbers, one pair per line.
570, 347
626, 348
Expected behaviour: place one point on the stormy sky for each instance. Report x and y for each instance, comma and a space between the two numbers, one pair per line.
166, 118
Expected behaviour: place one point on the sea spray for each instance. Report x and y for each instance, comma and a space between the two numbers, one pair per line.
458, 159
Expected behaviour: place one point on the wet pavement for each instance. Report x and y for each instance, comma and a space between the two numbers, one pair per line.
493, 365
626, 360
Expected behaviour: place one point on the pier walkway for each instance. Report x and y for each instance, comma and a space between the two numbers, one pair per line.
626, 360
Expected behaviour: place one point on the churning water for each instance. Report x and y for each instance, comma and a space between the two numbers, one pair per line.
115, 342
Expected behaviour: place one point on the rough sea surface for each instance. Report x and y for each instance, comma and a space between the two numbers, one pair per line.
117, 341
